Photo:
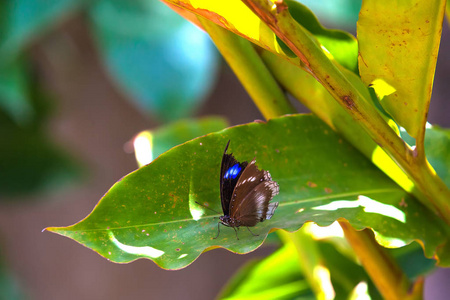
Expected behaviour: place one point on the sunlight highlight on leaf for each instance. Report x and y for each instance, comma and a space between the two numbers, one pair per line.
196, 210
145, 251
380, 158
369, 205
323, 232
143, 148
323, 276
360, 292
382, 88
234, 12
389, 242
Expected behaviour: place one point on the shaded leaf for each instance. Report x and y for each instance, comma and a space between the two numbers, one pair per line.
399, 43
9, 285
150, 144
411, 260
340, 13
152, 212
14, 92
29, 160
166, 64
342, 45
437, 147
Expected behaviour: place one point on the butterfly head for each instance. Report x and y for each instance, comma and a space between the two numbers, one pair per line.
228, 221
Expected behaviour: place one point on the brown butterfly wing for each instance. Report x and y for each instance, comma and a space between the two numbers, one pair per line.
250, 200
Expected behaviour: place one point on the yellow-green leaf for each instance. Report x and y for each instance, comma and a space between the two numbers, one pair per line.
236, 17
399, 43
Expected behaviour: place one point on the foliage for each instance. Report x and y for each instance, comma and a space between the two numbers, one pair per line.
358, 162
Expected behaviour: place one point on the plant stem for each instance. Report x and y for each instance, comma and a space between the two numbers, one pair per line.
251, 71
384, 271
277, 17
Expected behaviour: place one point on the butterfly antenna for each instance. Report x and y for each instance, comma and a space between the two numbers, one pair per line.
207, 207
218, 230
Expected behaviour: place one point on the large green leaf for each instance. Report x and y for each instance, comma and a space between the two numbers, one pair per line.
166, 64
152, 212
399, 43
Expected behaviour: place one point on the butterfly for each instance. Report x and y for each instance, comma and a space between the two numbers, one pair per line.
245, 193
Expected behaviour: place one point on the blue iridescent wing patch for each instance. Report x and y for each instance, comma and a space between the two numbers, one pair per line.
232, 172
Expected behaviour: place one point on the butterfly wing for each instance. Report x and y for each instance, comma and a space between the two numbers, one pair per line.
252, 194
230, 172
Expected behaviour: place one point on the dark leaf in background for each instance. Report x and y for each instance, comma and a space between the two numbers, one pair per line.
166, 64
29, 160
22, 22
437, 148
14, 97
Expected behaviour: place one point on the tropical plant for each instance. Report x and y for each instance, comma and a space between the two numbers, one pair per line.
358, 163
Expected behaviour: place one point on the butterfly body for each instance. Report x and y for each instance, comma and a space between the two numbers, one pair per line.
245, 193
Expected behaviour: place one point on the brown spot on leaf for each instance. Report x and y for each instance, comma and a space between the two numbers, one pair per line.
348, 101
403, 203
311, 184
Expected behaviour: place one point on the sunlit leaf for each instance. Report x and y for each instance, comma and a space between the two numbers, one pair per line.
280, 270
152, 212
277, 276
166, 64
398, 44
281, 274
150, 144
235, 16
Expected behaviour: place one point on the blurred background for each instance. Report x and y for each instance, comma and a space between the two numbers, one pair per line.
78, 80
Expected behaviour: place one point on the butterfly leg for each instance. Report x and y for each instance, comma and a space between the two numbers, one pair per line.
218, 230
252, 232
236, 232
